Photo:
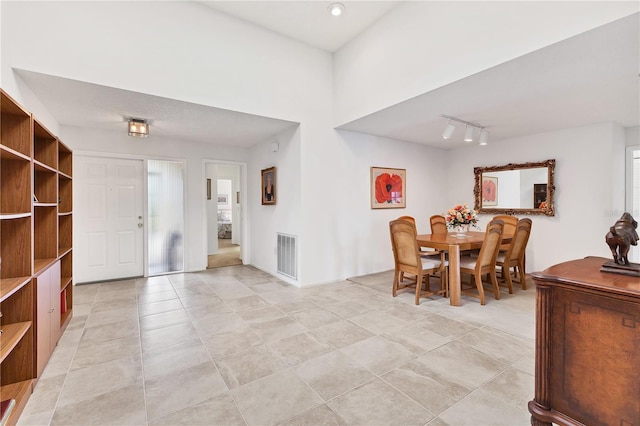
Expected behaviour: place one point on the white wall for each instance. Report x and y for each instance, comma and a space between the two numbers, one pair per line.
422, 45
323, 175
632, 136
284, 216
119, 143
210, 211
358, 235
587, 198
191, 53
528, 178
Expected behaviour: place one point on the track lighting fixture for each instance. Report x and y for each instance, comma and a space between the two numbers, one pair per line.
469, 131
448, 131
484, 137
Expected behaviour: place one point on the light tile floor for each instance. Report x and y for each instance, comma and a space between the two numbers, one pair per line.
236, 346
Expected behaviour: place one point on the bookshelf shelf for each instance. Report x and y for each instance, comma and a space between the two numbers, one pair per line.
11, 336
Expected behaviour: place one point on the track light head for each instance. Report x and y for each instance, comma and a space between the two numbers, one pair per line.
484, 137
448, 131
468, 133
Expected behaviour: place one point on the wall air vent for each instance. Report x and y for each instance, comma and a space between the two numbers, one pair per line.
287, 255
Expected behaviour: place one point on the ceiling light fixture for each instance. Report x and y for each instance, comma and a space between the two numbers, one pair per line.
468, 133
138, 127
484, 137
448, 131
336, 9
469, 130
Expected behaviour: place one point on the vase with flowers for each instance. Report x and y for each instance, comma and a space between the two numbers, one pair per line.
461, 218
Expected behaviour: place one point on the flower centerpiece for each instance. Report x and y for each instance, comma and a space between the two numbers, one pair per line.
461, 217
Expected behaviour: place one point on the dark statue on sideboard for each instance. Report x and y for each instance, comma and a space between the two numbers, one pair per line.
621, 236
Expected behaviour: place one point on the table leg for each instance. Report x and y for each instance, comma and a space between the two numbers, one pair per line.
454, 275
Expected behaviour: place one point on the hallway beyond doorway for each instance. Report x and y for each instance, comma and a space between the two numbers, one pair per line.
228, 255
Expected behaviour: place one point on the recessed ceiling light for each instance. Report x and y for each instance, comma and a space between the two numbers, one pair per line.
336, 9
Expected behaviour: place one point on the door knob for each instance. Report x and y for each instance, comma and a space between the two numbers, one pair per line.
140, 225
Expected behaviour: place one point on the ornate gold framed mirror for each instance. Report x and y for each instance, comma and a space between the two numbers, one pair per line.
525, 188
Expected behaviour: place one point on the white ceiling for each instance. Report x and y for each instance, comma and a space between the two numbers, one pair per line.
589, 78
308, 21
76, 103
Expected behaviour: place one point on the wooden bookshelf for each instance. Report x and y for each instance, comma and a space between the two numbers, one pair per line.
65, 195
20, 391
36, 193
15, 178
45, 146
45, 236
65, 232
65, 160
45, 184
15, 250
16, 130
65, 235
12, 334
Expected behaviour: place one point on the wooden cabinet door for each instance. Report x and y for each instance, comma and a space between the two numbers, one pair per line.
54, 289
43, 312
48, 314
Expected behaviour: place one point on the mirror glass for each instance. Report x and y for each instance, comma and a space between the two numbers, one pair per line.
526, 188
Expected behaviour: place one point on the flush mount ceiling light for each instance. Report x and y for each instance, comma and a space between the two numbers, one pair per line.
138, 127
470, 129
336, 9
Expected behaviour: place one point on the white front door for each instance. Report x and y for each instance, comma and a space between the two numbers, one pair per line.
109, 234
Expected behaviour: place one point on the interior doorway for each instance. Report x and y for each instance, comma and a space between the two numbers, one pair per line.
223, 215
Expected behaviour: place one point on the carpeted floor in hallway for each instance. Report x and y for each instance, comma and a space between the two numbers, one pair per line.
228, 255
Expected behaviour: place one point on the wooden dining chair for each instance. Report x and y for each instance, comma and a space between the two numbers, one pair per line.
409, 218
485, 263
514, 256
412, 220
438, 224
407, 259
510, 227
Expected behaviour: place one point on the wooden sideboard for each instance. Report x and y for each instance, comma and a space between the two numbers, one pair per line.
587, 346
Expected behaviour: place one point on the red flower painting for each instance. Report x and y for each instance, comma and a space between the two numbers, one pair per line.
489, 190
388, 188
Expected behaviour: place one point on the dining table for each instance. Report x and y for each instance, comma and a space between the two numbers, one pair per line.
454, 243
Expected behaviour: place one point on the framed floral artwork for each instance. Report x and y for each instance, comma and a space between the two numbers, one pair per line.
388, 188
268, 187
489, 191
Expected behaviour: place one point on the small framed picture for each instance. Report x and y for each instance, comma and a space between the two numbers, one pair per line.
268, 187
223, 199
388, 188
489, 191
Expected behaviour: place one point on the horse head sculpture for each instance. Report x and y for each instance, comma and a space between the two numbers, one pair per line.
621, 236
